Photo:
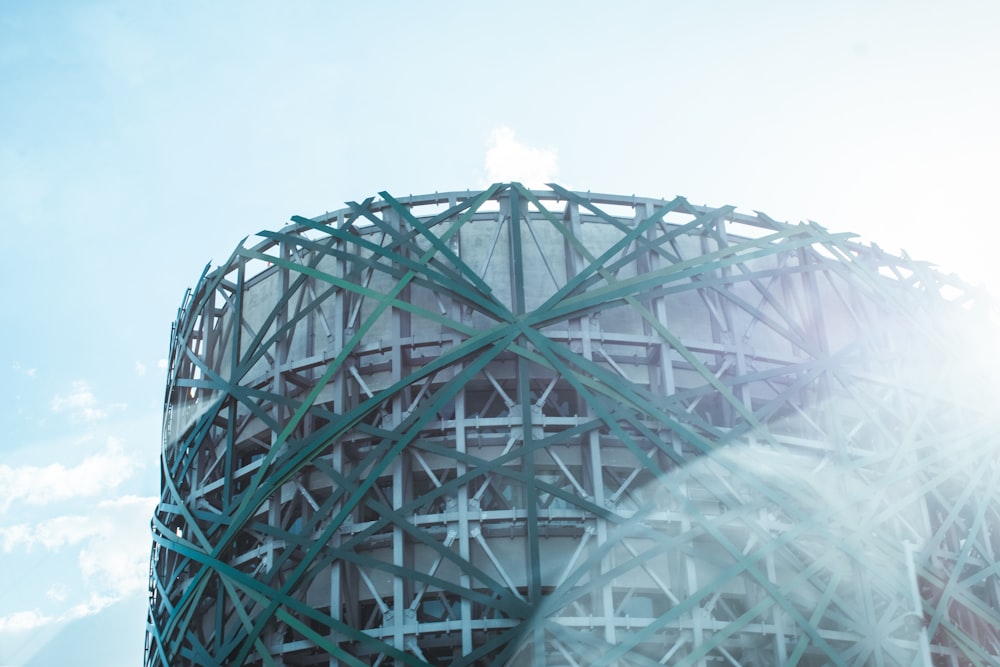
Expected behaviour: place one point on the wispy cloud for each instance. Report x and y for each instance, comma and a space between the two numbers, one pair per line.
140, 369
40, 485
118, 561
81, 403
113, 558
507, 159
50, 534
22, 621
30, 373
57, 592
25, 621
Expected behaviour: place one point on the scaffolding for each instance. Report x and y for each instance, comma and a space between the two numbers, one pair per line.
517, 427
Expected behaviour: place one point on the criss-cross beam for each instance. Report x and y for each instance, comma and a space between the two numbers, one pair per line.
551, 427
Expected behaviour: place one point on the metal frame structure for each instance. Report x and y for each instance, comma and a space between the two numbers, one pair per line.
554, 428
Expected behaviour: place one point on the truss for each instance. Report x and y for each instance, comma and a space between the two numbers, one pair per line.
546, 427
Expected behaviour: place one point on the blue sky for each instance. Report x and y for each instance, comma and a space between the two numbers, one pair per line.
139, 141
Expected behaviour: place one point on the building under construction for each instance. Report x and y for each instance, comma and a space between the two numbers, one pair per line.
518, 427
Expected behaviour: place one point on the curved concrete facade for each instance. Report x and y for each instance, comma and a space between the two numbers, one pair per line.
546, 427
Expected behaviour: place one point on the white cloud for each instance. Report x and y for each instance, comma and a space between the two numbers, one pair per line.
117, 562
140, 369
82, 404
13, 536
24, 621
118, 572
21, 621
52, 534
57, 592
81, 397
113, 559
30, 373
507, 159
39, 485
145, 503
162, 364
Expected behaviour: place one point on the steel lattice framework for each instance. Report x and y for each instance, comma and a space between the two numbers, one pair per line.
546, 427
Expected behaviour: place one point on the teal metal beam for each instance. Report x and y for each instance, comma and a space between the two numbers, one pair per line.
290, 400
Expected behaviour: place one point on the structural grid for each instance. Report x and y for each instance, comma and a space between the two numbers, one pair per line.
545, 427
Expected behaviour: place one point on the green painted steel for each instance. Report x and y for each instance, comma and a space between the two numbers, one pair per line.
555, 428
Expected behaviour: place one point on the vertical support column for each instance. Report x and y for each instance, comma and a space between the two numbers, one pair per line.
463, 520
664, 375
516, 252
644, 260
398, 559
691, 570
603, 600
777, 615
517, 273
462, 493
606, 604
334, 345
283, 343
741, 391
234, 362
271, 636
918, 610
607, 598
871, 618
400, 330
